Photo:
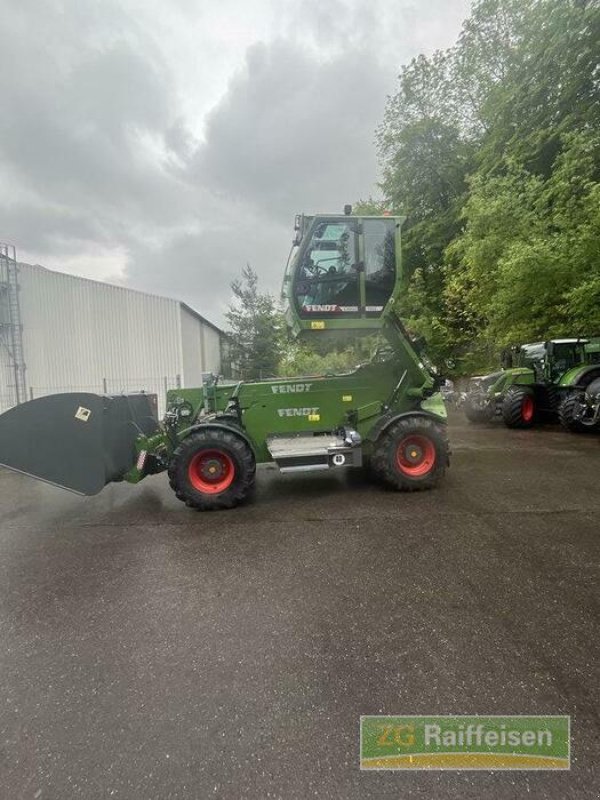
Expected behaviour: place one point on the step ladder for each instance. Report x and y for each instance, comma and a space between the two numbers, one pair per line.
306, 452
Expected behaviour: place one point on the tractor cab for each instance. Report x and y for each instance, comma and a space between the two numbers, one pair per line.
530, 356
343, 271
563, 355
549, 360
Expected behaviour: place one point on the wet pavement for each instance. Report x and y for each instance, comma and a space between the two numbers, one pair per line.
148, 651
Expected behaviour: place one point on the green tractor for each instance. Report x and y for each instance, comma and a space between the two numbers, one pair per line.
545, 381
343, 277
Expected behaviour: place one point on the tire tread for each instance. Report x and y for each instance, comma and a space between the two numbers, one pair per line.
382, 462
511, 407
209, 437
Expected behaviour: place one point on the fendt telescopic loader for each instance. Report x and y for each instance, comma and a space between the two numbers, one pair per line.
343, 276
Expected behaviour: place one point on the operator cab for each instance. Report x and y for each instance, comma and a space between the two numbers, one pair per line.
552, 358
343, 271
564, 354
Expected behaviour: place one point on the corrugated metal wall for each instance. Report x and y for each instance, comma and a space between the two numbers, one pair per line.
191, 343
201, 348
83, 335
213, 341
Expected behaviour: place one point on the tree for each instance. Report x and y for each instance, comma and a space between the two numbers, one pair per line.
529, 256
550, 86
255, 329
491, 150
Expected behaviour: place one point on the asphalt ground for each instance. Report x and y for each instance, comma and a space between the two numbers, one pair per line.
148, 651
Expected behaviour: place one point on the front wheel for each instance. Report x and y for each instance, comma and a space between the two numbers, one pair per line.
578, 411
212, 469
569, 413
476, 413
518, 407
412, 454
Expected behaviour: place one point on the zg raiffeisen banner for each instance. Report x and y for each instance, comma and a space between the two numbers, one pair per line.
451, 742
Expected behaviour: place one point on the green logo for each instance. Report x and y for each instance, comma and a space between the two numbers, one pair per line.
538, 742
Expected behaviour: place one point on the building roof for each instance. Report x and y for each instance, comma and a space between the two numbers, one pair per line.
116, 286
199, 317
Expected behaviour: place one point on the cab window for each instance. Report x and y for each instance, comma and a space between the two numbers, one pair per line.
380, 262
326, 279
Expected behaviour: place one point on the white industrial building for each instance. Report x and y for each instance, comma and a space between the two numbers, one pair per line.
62, 333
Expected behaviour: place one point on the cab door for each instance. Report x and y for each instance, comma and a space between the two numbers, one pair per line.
327, 276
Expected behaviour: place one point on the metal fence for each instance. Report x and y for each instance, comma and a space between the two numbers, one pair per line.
155, 385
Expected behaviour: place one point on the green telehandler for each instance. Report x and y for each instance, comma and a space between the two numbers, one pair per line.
558, 379
343, 276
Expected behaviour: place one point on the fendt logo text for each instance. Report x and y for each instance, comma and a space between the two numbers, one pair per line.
287, 388
297, 412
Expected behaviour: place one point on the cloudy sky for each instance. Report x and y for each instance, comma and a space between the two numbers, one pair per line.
162, 144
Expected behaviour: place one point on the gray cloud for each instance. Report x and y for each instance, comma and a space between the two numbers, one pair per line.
292, 132
103, 159
85, 104
198, 266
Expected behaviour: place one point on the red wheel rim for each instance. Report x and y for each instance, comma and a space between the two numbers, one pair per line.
527, 408
415, 455
211, 471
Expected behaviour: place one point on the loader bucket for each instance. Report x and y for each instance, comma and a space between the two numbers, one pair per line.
77, 441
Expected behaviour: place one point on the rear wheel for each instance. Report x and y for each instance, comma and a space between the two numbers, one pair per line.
410, 455
212, 469
518, 407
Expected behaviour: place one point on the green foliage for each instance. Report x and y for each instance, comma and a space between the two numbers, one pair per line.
530, 254
549, 89
492, 150
255, 330
323, 359
375, 208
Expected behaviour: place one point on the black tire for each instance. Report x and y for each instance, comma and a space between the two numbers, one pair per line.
566, 414
476, 414
408, 470
519, 407
212, 469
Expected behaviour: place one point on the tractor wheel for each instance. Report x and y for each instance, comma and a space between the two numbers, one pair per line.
518, 407
566, 414
410, 455
478, 414
212, 469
